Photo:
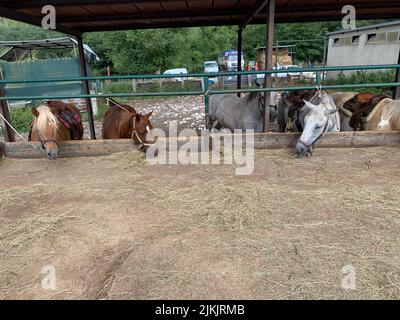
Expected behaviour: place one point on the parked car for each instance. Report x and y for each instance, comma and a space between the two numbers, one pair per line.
274, 75
177, 71
211, 67
293, 74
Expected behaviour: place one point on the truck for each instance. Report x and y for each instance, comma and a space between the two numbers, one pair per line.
227, 60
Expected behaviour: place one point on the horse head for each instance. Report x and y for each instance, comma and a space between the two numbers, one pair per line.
318, 121
141, 127
45, 129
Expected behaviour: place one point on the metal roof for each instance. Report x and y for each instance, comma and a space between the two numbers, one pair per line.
77, 16
371, 27
17, 49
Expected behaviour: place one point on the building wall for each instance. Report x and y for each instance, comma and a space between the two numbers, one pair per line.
366, 47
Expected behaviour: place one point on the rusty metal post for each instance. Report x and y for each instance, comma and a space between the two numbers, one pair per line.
8, 132
268, 61
239, 59
85, 83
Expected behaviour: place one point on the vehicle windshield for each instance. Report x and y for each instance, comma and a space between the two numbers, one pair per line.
211, 65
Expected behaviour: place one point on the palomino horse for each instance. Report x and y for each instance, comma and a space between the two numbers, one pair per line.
314, 119
53, 122
368, 112
123, 122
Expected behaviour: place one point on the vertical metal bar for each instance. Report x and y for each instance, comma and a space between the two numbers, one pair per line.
325, 56
396, 93
7, 131
239, 59
206, 103
268, 61
85, 83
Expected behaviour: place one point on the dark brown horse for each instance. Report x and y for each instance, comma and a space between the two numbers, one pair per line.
55, 121
123, 122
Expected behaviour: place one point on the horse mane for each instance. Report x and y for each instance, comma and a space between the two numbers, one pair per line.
250, 97
393, 110
46, 117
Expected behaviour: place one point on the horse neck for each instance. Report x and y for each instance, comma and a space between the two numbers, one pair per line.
253, 105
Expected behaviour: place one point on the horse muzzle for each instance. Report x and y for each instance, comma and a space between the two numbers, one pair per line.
303, 150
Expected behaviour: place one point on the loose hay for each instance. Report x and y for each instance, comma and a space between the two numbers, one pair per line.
132, 159
200, 232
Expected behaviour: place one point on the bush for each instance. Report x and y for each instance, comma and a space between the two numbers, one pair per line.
366, 77
21, 119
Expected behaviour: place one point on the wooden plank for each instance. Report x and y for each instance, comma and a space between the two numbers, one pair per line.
90, 148
330, 140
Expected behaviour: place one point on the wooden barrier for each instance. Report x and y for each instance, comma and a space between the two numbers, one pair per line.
89, 148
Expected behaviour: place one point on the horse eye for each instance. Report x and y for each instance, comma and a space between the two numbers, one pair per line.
318, 127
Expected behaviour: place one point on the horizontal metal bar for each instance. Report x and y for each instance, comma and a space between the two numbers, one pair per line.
106, 95
199, 93
326, 87
206, 75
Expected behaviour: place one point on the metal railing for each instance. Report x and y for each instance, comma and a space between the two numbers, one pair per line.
206, 92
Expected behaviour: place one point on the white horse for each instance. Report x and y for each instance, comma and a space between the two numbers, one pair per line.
317, 121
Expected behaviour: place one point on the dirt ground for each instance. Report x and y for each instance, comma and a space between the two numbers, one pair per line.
118, 228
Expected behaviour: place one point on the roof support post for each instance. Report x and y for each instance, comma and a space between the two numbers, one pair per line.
239, 59
7, 131
85, 84
268, 61
397, 89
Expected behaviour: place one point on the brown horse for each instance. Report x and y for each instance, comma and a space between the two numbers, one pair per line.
55, 121
123, 122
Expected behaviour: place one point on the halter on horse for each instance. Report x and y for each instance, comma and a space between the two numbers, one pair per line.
319, 120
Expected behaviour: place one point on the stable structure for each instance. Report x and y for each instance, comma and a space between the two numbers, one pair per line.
76, 17
381, 42
17, 63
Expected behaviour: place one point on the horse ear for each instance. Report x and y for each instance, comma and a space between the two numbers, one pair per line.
148, 115
309, 105
35, 112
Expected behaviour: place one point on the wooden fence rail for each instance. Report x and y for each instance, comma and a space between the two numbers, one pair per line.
89, 148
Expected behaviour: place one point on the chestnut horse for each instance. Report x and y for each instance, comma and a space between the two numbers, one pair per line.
123, 122
53, 122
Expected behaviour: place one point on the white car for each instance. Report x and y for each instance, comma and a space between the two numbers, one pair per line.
177, 71
295, 74
211, 67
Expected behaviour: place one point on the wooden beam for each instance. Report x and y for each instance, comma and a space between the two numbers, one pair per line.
9, 135
228, 22
33, 20
254, 11
85, 83
149, 16
70, 3
269, 47
91, 148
